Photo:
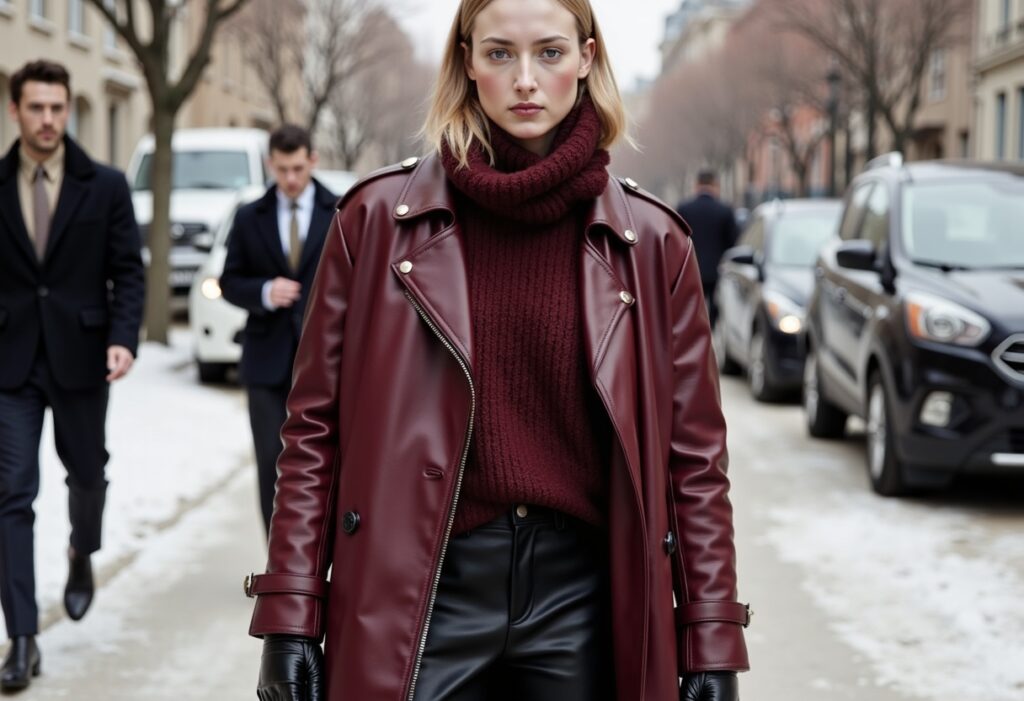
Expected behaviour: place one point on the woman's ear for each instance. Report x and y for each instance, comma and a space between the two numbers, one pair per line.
467, 60
587, 53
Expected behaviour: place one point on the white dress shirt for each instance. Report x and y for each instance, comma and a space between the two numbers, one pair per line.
284, 223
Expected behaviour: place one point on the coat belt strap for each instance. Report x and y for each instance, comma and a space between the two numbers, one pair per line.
720, 611
281, 583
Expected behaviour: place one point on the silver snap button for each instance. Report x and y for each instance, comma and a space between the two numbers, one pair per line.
405, 267
630, 235
402, 209
626, 298
522, 511
410, 162
631, 184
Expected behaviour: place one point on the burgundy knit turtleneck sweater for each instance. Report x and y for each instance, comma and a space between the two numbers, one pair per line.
541, 434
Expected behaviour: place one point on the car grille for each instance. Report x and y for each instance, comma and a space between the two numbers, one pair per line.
1009, 358
182, 233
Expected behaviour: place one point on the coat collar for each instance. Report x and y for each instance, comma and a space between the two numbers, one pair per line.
77, 163
429, 190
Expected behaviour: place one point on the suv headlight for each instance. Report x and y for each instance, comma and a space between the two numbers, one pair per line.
210, 288
935, 319
786, 315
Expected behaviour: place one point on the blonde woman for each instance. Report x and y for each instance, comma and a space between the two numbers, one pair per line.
504, 440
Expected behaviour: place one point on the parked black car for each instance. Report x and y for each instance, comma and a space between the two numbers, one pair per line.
763, 286
916, 322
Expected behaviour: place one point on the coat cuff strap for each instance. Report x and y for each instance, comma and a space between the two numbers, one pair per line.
278, 583
717, 611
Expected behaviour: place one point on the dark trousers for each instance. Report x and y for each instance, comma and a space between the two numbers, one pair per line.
267, 413
79, 423
522, 612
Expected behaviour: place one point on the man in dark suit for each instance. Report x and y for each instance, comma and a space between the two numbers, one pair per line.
71, 299
714, 232
273, 251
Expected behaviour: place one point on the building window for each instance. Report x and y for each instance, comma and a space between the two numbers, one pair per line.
37, 8
937, 75
1007, 11
1001, 126
76, 17
109, 34
113, 131
1020, 124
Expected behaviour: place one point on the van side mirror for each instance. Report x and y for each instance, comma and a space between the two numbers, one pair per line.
740, 255
859, 254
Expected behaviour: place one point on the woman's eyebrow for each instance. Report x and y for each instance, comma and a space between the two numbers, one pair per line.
509, 42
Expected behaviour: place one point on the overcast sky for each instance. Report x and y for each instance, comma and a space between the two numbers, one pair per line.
633, 29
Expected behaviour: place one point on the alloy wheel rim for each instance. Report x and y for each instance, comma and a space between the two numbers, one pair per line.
876, 431
810, 386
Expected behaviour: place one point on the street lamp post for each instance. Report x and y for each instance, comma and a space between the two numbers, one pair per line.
833, 77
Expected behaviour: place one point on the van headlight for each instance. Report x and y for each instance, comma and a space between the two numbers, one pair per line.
210, 288
786, 315
931, 318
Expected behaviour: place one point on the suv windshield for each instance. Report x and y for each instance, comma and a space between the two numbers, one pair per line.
200, 170
966, 224
798, 236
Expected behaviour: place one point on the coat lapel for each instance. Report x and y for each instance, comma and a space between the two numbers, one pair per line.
72, 192
11, 215
323, 212
266, 222
434, 273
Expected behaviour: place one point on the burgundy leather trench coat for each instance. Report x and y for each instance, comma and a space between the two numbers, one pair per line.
381, 416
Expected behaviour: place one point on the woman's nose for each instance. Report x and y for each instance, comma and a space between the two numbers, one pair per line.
525, 80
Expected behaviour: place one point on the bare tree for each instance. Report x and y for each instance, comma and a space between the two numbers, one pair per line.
377, 113
274, 43
885, 46
167, 94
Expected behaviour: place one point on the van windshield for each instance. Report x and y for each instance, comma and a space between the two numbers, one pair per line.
973, 224
199, 170
798, 236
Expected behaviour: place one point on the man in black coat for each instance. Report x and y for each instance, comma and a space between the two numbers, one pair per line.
714, 232
273, 250
71, 299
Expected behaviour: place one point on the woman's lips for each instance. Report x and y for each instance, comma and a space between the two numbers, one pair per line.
526, 110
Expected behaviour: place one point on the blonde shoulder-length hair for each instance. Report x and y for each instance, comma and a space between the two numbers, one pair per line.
456, 115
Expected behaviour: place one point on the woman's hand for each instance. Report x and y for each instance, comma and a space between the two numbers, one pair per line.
291, 669
710, 686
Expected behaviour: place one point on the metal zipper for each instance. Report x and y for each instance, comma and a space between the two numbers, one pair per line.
458, 488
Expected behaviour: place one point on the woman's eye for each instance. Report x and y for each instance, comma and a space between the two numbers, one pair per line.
499, 54
551, 53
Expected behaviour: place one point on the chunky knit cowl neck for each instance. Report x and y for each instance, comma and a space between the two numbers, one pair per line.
532, 189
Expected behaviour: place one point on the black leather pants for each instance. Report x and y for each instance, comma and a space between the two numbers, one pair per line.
522, 612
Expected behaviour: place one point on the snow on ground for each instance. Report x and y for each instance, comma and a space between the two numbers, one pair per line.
171, 441
925, 594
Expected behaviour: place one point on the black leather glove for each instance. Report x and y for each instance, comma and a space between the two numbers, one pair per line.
710, 686
291, 669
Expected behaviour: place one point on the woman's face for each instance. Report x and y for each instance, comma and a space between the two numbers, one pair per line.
526, 60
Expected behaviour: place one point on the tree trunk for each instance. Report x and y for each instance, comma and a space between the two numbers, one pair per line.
158, 278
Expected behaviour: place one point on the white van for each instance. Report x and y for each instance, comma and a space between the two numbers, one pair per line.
210, 166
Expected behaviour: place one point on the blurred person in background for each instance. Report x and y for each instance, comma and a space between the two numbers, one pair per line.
504, 434
273, 249
71, 301
714, 232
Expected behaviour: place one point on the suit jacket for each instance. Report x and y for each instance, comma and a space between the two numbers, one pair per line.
714, 232
254, 256
88, 291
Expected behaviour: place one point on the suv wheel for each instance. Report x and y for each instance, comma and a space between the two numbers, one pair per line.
757, 368
824, 419
726, 365
884, 468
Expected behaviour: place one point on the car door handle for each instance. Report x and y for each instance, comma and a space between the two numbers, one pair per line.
840, 294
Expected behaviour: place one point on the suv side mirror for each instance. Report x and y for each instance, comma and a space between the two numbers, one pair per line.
740, 255
859, 254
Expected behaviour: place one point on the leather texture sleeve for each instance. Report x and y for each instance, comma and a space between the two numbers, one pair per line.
125, 269
302, 528
709, 621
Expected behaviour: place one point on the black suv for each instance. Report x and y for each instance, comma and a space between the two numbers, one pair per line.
916, 322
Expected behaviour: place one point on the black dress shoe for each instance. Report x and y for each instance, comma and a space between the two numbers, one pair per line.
78, 593
22, 660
